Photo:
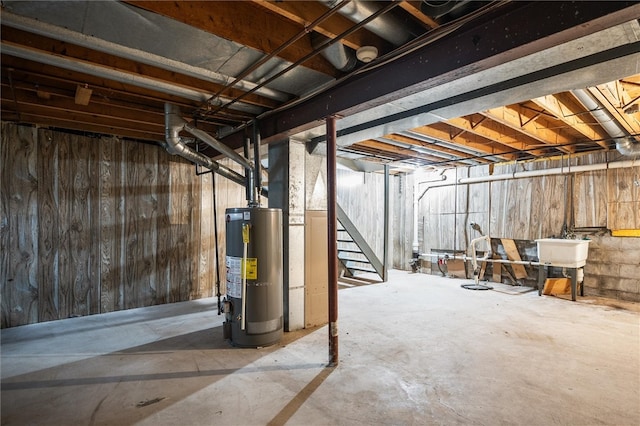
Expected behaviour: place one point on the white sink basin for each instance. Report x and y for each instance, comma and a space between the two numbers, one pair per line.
564, 253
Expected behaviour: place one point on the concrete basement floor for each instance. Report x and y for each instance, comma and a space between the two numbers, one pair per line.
416, 350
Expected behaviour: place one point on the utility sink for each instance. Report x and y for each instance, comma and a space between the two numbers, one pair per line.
564, 253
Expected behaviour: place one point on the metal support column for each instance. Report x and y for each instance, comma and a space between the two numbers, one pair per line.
332, 220
385, 253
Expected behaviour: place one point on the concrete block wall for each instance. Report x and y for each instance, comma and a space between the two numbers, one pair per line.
613, 268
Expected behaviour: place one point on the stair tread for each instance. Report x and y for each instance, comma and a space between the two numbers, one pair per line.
344, 250
351, 259
356, 268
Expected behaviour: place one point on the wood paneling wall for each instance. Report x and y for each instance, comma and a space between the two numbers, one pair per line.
92, 225
361, 196
401, 221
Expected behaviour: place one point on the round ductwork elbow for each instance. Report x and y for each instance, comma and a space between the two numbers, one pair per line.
437, 9
628, 147
342, 58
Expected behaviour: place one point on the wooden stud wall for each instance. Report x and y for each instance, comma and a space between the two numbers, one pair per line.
93, 225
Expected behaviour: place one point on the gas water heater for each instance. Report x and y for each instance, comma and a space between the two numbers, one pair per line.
253, 304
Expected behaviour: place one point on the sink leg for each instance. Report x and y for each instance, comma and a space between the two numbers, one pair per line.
573, 272
542, 275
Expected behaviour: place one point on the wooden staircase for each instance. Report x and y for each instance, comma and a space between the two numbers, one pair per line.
355, 256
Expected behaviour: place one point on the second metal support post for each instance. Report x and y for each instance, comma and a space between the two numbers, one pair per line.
332, 237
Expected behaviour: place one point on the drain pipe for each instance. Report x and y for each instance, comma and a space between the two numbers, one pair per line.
415, 246
174, 123
625, 144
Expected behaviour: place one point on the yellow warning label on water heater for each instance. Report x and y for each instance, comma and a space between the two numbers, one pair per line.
245, 233
250, 268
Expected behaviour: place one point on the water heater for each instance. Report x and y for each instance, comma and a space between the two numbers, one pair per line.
253, 304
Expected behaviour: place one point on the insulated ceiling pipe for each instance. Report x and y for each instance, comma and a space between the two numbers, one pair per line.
624, 143
173, 124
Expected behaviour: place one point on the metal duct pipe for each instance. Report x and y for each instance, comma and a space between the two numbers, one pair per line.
439, 8
343, 58
63, 34
113, 74
250, 184
628, 146
624, 143
388, 27
173, 124
257, 166
217, 145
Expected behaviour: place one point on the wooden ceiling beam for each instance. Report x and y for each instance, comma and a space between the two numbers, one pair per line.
304, 13
442, 131
375, 155
370, 152
496, 132
55, 87
614, 99
528, 123
437, 148
631, 86
75, 78
95, 107
82, 54
66, 123
32, 76
573, 114
83, 118
37, 73
413, 8
243, 23
407, 153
